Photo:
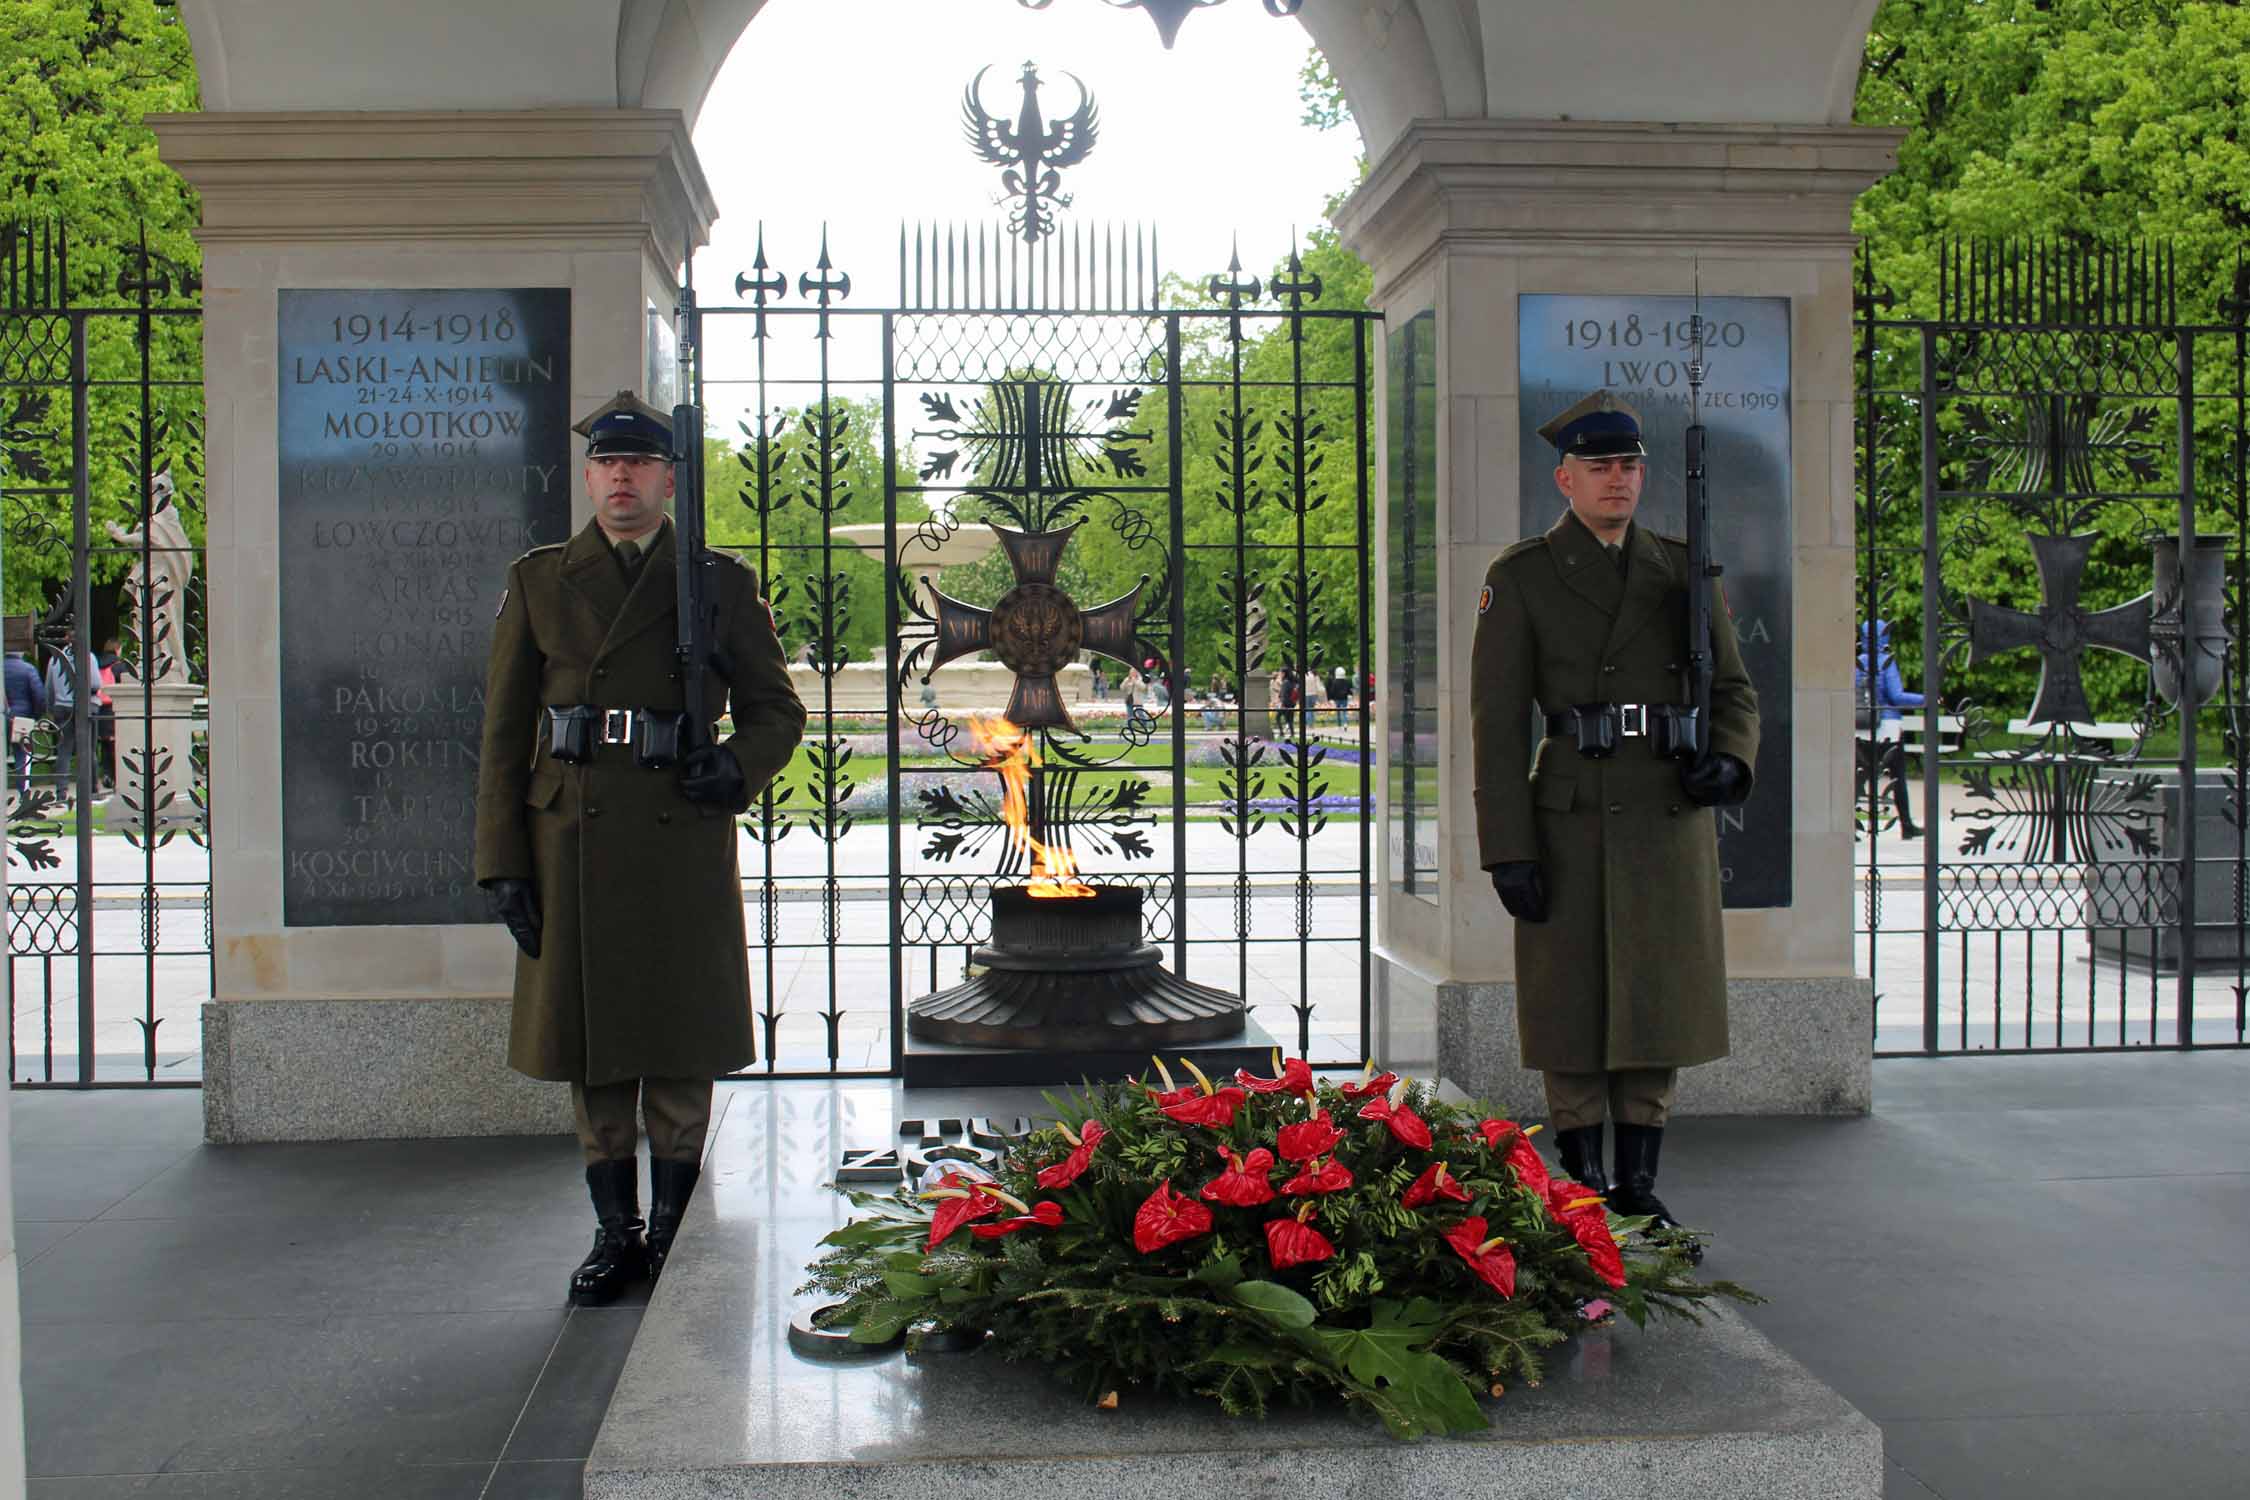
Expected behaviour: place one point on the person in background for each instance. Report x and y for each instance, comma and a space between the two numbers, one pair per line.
1215, 696
109, 662
1101, 682
62, 687
1878, 693
27, 700
1134, 686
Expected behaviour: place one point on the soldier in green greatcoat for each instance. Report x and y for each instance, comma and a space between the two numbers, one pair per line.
611, 862
1603, 849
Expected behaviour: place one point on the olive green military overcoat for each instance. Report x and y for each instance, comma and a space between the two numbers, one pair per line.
642, 969
1629, 969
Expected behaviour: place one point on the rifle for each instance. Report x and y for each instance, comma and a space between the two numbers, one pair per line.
1694, 738
698, 613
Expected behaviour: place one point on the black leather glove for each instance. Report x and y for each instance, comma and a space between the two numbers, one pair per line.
1522, 889
710, 774
516, 903
1715, 780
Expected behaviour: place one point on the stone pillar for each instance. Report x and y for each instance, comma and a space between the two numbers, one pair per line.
372, 1031
1461, 219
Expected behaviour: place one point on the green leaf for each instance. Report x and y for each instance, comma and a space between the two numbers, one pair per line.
1274, 1302
1220, 1273
882, 1323
1389, 1356
908, 1284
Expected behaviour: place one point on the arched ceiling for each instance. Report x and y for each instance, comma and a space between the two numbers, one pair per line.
1691, 61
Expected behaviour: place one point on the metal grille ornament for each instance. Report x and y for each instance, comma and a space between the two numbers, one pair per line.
1031, 153
1036, 629
1168, 14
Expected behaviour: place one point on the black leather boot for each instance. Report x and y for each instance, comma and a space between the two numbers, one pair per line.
1638, 1147
670, 1185
1580, 1151
619, 1257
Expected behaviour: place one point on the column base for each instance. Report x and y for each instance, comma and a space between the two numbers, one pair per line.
1801, 1046
350, 1070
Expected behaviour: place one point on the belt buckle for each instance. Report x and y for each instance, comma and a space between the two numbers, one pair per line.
617, 726
1633, 719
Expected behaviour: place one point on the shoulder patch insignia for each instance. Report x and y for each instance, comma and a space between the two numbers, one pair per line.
504, 604
1484, 600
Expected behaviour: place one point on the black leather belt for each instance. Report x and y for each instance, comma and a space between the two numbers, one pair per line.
575, 729
1596, 728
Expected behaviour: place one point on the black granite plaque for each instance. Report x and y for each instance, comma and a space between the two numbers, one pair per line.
425, 444
1638, 347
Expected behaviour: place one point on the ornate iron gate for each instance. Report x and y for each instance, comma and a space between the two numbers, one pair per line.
2035, 462
101, 501
1211, 461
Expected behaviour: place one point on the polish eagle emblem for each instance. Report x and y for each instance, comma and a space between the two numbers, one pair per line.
1031, 152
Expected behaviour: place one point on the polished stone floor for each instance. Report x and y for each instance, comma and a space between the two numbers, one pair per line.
2029, 1271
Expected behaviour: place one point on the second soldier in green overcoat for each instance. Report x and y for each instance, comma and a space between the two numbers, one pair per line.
1608, 861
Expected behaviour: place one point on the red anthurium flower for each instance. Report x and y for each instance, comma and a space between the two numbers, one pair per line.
1166, 1218
959, 1201
1579, 1209
1296, 1078
1491, 1259
1368, 1088
1409, 1127
1496, 1132
1215, 1109
1165, 1098
1247, 1181
1529, 1169
1072, 1167
1293, 1242
1329, 1176
1045, 1214
1435, 1182
1308, 1138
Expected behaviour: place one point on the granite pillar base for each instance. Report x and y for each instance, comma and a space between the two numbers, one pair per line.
1801, 1047
348, 1070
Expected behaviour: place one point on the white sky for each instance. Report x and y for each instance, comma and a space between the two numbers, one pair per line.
849, 111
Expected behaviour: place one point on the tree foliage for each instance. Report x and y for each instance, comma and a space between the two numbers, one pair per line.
77, 80
2069, 122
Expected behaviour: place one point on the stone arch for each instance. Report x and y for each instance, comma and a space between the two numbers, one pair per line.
1690, 61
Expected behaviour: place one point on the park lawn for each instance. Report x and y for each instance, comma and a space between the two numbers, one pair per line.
1207, 794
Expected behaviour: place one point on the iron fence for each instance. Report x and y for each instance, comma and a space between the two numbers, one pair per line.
101, 520
2053, 465
1210, 464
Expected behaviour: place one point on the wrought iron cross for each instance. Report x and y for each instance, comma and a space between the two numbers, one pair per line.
2061, 631
1036, 629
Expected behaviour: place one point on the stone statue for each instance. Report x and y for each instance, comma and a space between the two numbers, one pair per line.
159, 613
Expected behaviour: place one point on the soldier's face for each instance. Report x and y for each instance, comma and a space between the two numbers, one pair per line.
1603, 492
628, 491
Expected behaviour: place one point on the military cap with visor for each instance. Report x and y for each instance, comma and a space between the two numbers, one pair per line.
1600, 426
626, 425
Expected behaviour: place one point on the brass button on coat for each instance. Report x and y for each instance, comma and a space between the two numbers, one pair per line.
1617, 807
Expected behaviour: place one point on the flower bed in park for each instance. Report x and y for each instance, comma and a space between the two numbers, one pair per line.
1270, 1239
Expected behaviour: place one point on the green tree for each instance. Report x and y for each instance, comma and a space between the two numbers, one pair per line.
2058, 120
77, 80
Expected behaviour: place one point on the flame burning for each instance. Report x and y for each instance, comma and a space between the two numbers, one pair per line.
1009, 750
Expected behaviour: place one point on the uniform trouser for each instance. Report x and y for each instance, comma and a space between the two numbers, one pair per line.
1632, 1096
678, 1111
